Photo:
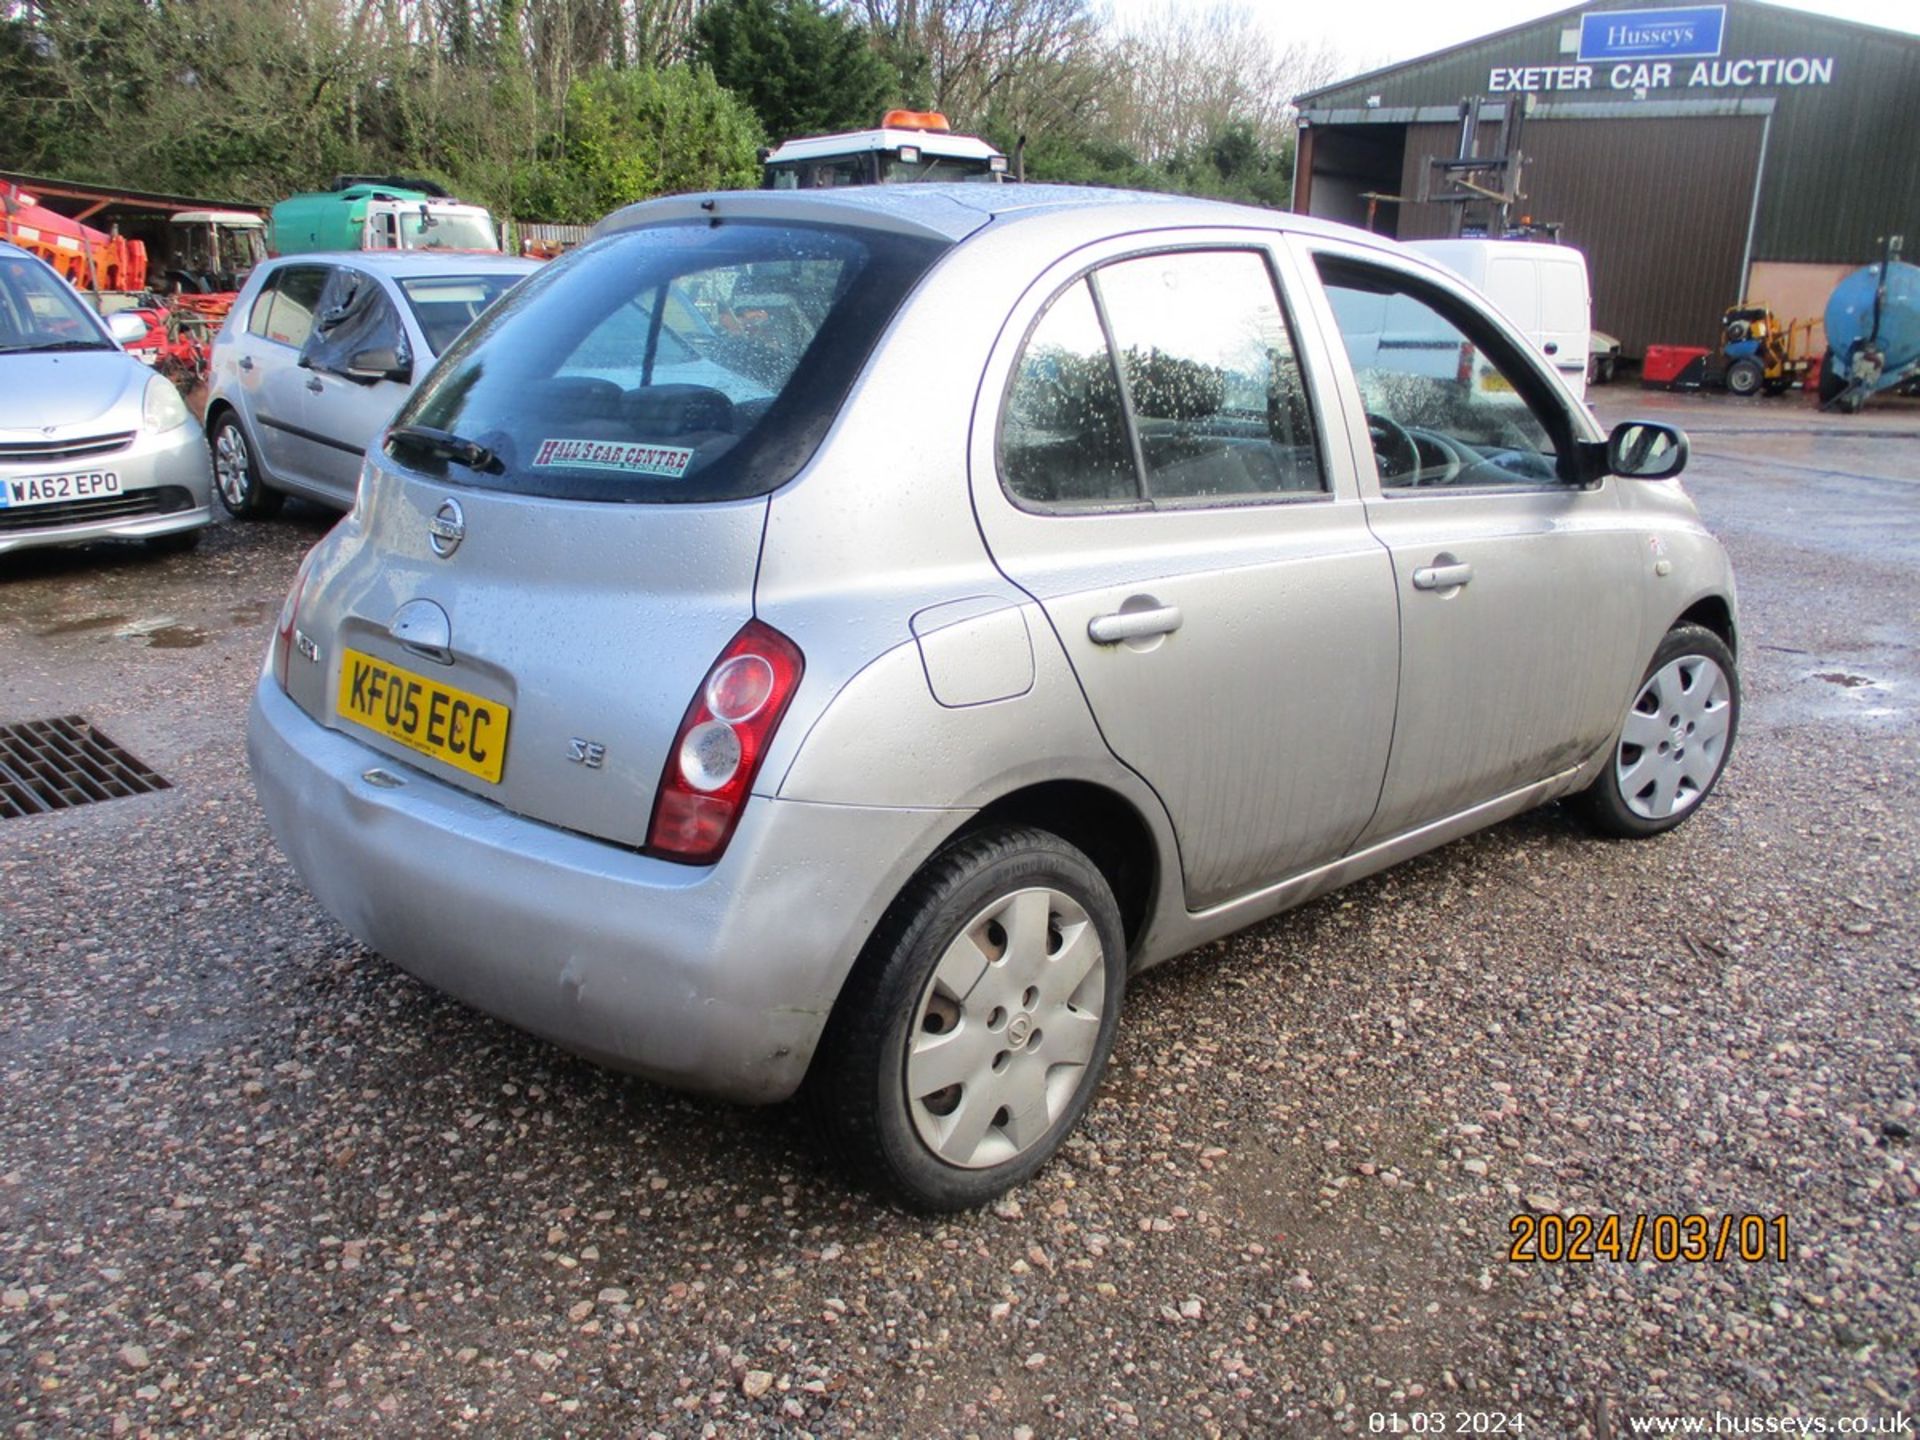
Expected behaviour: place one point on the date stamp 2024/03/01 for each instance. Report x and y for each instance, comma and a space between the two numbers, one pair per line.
1691, 1239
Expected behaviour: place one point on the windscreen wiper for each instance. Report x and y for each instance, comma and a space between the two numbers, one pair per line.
447, 445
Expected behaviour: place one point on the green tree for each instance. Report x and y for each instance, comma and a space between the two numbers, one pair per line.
632, 134
805, 69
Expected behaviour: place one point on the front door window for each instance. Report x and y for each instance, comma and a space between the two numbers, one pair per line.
1447, 404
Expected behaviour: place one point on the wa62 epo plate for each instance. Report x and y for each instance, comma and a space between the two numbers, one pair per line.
58, 489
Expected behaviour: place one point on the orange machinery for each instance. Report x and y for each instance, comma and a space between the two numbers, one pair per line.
90, 259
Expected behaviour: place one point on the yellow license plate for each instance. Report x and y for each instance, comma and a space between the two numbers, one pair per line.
453, 726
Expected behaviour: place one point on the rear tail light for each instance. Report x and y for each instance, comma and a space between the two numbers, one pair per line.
718, 749
289, 611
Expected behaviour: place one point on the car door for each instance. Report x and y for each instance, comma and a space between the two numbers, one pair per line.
1566, 315
349, 397
277, 383
1519, 609
1149, 467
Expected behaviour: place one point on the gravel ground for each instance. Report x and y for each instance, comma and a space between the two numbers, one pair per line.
254, 1180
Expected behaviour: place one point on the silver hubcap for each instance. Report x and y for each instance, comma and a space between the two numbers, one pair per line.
230, 465
1675, 738
1005, 1028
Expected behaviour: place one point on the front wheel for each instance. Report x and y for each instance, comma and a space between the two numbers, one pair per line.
236, 474
1673, 744
975, 1027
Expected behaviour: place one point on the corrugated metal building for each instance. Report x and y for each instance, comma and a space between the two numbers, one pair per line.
1699, 154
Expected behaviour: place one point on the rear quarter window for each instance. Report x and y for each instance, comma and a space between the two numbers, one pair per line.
678, 362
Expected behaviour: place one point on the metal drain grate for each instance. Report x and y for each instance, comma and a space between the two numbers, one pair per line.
57, 764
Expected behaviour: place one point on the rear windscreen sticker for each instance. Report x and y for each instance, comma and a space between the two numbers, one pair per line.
668, 460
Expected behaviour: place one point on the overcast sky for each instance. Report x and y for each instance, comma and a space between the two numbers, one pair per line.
1370, 33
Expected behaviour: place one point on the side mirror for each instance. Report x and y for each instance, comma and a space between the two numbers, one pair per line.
126, 327
380, 362
1646, 450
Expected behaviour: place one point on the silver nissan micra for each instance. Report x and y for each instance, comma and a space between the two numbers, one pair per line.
829, 640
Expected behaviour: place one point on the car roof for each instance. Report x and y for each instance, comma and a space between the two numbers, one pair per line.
954, 211
409, 264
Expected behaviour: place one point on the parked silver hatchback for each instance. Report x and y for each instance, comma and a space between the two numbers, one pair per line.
318, 352
833, 639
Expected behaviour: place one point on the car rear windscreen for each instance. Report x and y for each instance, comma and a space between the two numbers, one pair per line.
692, 361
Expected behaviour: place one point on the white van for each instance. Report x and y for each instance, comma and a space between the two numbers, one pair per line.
1541, 288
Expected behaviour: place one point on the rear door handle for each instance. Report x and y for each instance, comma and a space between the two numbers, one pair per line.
246, 362
1133, 624
1442, 577
313, 384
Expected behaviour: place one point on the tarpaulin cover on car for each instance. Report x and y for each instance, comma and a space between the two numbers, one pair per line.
354, 315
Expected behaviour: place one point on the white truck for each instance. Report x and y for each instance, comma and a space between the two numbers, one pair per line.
909, 145
1541, 288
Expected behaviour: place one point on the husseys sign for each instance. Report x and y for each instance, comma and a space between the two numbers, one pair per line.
1646, 50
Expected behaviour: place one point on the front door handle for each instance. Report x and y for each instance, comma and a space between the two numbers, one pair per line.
313, 384
1442, 577
1133, 624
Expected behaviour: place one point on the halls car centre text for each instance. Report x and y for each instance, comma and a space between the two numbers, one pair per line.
1700, 155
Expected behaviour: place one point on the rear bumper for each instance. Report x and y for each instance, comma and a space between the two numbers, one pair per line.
715, 979
171, 463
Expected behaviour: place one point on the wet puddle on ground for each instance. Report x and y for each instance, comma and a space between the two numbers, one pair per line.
160, 632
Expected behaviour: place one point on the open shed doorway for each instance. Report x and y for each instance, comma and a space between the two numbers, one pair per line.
1342, 165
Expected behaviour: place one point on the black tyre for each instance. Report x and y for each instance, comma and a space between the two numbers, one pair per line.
1832, 382
976, 1025
177, 542
1745, 376
1673, 745
236, 473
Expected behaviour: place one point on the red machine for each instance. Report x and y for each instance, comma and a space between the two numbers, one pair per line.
90, 259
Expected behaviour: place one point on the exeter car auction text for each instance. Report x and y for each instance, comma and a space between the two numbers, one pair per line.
1660, 74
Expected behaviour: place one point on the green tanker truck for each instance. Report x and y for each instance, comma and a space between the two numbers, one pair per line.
379, 212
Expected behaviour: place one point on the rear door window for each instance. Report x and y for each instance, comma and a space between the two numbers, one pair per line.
1217, 393
1166, 380
1063, 440
674, 362
296, 299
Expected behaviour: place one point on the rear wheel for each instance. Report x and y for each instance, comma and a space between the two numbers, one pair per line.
236, 475
975, 1028
1745, 376
1673, 744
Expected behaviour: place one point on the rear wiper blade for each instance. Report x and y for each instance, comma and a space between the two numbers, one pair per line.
446, 444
